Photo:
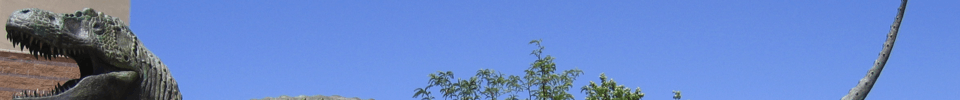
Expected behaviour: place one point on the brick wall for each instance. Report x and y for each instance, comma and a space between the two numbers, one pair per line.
20, 72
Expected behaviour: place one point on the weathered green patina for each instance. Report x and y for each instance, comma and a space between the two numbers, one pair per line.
114, 64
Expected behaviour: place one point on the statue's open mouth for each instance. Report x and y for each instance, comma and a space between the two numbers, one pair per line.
91, 67
113, 64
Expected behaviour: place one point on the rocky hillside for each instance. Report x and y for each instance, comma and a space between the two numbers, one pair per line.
315, 97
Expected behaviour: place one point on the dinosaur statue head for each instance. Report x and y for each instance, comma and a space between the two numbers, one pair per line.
101, 45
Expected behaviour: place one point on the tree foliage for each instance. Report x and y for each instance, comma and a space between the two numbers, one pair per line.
676, 95
487, 83
609, 90
540, 82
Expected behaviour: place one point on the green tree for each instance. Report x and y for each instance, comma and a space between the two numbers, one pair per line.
487, 83
497, 84
676, 95
541, 81
609, 90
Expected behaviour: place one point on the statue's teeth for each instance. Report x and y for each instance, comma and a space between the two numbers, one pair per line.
35, 54
31, 41
14, 41
56, 87
21, 47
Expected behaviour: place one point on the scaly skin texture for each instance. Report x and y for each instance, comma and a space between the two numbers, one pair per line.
866, 84
113, 63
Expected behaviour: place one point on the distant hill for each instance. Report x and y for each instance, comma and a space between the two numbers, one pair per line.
315, 97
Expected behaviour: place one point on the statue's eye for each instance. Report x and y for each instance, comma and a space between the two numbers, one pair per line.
98, 29
97, 26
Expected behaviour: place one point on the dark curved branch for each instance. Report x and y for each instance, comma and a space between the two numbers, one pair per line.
863, 87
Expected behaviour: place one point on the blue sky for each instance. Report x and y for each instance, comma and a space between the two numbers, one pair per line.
716, 50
